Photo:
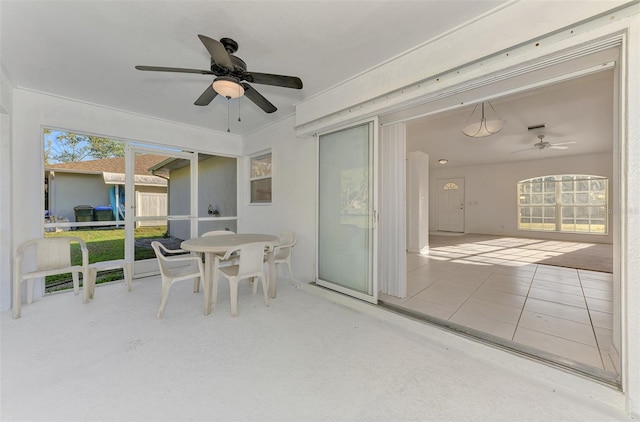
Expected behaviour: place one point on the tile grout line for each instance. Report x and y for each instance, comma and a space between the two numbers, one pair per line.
593, 330
469, 297
533, 276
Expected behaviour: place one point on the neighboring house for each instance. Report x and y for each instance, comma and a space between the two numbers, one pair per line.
217, 192
68, 185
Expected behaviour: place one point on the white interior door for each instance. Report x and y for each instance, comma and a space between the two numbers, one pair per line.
347, 235
450, 205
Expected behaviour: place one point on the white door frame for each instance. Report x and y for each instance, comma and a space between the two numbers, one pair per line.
149, 266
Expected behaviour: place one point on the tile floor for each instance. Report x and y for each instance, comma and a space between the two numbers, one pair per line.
477, 282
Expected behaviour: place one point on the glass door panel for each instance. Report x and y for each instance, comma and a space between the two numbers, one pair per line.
346, 231
161, 203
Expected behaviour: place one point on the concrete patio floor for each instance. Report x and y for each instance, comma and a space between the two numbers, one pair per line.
304, 358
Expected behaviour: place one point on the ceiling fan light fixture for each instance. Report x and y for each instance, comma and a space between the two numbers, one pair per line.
483, 127
228, 87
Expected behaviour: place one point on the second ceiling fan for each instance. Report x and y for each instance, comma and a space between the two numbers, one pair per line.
231, 75
542, 144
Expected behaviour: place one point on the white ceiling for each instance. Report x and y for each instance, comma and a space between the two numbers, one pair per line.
87, 50
578, 110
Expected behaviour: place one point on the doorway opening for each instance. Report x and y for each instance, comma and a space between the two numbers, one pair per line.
549, 295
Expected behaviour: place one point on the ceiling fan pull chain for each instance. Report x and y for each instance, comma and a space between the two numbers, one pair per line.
239, 119
228, 129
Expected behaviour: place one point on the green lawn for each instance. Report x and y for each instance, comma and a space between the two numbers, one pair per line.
105, 245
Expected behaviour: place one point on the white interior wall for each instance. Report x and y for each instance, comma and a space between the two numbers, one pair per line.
491, 193
294, 192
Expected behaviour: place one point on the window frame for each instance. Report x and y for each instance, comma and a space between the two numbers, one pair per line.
557, 193
259, 156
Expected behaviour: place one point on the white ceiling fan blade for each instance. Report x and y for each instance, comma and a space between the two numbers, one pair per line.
523, 150
562, 143
557, 147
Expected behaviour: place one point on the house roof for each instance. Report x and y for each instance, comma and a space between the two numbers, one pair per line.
111, 165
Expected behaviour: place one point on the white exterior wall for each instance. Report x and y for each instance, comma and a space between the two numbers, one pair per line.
294, 192
217, 186
491, 194
417, 195
76, 189
32, 111
6, 168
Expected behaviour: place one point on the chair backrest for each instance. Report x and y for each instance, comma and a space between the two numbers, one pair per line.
251, 257
158, 248
287, 238
287, 241
217, 233
53, 252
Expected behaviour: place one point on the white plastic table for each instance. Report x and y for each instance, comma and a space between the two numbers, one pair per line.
213, 247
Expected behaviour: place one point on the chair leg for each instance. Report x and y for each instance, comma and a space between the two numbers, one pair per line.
166, 285
17, 298
214, 288
76, 282
30, 291
293, 282
233, 292
128, 275
264, 290
196, 285
88, 280
196, 281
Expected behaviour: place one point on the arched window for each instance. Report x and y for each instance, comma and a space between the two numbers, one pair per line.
563, 203
450, 186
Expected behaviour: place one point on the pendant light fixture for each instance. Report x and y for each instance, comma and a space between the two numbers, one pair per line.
483, 127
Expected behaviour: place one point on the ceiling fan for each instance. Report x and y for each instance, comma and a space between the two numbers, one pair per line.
231, 75
542, 144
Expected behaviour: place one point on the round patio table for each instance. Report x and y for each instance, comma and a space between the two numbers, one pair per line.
214, 247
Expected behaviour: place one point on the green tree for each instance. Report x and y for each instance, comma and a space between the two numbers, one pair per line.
74, 147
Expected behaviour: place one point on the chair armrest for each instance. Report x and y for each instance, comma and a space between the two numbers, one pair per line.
175, 251
172, 251
182, 258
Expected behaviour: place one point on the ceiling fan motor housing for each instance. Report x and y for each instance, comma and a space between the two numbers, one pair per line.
230, 45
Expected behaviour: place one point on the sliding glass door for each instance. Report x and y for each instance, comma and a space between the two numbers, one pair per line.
347, 211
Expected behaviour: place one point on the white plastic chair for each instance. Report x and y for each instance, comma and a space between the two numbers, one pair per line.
283, 251
250, 266
53, 256
196, 284
171, 273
